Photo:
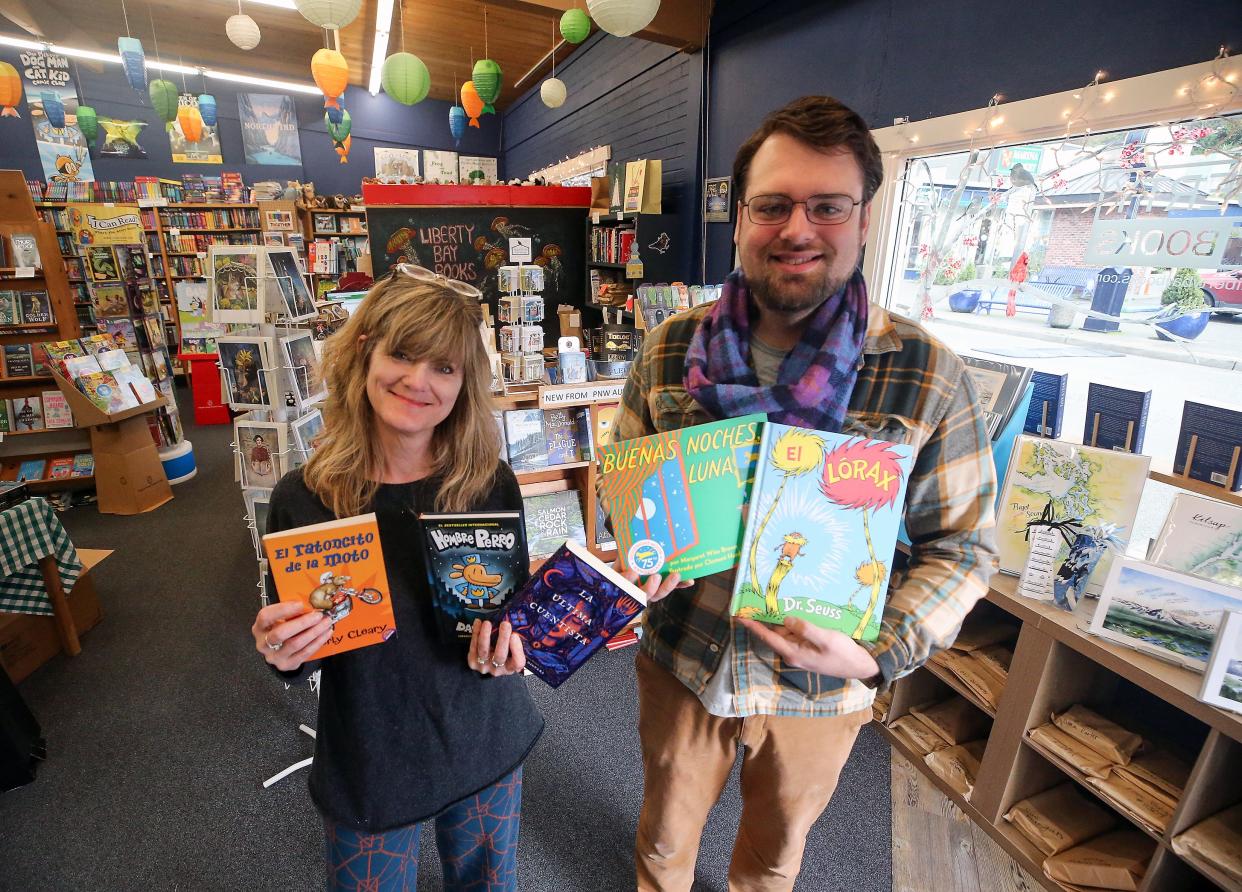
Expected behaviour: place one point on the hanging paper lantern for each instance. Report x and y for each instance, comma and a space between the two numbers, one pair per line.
343, 148
88, 123
622, 18
405, 78
457, 122
330, 14
338, 131
164, 100
472, 103
575, 25
10, 91
243, 31
486, 78
335, 113
53, 108
190, 119
207, 108
134, 61
331, 74
552, 92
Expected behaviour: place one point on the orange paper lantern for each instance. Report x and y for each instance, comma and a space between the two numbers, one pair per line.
10, 91
343, 147
191, 121
472, 103
331, 74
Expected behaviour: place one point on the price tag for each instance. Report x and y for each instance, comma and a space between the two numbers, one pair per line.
24, 272
174, 232
595, 218
153, 202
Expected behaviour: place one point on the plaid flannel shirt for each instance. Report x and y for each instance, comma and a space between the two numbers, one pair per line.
910, 389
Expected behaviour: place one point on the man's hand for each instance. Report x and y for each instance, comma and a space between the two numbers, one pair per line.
655, 586
823, 651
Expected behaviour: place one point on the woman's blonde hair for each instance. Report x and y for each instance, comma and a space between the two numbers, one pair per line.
425, 321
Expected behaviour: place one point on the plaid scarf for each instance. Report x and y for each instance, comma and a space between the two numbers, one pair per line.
815, 380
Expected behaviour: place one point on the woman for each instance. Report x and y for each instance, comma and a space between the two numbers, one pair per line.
412, 728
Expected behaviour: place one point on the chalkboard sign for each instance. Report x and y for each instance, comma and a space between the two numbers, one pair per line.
472, 243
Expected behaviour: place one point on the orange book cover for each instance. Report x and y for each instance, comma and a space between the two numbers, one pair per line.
337, 568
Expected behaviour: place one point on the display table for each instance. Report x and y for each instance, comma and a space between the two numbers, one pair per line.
38, 564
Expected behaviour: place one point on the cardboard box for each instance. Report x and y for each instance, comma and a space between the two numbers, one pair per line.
27, 642
571, 322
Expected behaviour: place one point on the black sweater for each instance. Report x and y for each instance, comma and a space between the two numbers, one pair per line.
406, 729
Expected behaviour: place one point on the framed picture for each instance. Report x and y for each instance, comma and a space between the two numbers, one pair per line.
262, 446
278, 220
1222, 682
304, 368
233, 283
717, 204
245, 362
285, 292
1162, 612
274, 239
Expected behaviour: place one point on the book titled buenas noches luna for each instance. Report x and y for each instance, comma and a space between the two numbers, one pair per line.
338, 569
822, 529
675, 498
571, 607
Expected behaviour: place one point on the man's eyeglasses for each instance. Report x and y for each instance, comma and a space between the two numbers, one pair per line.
422, 274
824, 210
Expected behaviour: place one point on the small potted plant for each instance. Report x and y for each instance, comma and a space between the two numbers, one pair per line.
1186, 310
965, 300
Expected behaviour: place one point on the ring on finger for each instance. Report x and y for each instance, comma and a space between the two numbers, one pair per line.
272, 647
496, 665
482, 660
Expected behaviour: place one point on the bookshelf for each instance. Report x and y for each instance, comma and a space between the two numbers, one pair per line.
19, 215
608, 246
343, 233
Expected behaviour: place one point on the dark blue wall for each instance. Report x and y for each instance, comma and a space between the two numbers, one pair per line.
376, 121
640, 98
923, 60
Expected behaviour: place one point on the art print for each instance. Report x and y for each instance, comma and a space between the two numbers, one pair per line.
305, 369
295, 302
1222, 682
259, 446
243, 363
234, 284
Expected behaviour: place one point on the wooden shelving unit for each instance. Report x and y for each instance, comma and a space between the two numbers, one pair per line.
358, 241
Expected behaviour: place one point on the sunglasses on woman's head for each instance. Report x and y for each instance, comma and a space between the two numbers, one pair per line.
422, 274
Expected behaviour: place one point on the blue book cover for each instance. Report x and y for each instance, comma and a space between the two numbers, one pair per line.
569, 609
1217, 434
822, 529
31, 469
1049, 397
563, 435
1116, 418
525, 440
475, 562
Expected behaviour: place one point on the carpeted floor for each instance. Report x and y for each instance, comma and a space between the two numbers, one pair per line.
161, 732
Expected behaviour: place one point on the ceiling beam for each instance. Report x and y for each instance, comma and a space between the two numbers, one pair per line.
679, 23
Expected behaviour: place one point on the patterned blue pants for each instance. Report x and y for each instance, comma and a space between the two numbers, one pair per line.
477, 839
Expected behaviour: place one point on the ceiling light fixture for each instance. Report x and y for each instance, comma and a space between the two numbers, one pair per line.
379, 51
114, 59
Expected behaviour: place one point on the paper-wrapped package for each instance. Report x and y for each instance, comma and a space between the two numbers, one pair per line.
1218, 841
1107, 738
1060, 818
958, 765
1071, 751
1116, 860
954, 720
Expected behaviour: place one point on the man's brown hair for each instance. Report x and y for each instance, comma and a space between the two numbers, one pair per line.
823, 123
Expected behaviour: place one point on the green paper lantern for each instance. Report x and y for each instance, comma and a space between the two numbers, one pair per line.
575, 25
339, 132
164, 100
487, 77
405, 78
88, 123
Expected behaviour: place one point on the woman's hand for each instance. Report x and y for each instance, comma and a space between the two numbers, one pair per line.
287, 634
823, 651
655, 586
506, 657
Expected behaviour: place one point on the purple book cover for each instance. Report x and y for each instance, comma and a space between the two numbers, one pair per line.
568, 609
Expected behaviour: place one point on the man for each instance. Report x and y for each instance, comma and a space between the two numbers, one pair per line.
793, 335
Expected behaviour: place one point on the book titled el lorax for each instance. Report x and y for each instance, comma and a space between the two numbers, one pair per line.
336, 568
569, 609
675, 499
822, 529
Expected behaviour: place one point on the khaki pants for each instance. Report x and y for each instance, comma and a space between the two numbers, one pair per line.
790, 768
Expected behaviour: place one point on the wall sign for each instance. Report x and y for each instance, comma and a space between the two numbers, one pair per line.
716, 203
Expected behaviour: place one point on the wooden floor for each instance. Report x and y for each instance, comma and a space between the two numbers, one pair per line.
935, 846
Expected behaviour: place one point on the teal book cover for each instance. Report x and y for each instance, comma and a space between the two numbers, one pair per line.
675, 498
822, 529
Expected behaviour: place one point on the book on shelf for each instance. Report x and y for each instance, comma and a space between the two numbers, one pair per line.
1047, 404
27, 414
1116, 418
569, 609
821, 529
6, 416
83, 464
18, 361
525, 440
24, 250
1202, 537
567, 433
475, 562
10, 308
551, 519
353, 593
60, 468
1217, 445
1000, 387
36, 308
56, 411
676, 498
31, 469
604, 540
131, 378
105, 392
76, 366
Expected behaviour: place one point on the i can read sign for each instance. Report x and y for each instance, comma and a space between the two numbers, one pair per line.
1196, 242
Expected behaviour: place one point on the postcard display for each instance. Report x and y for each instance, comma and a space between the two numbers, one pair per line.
520, 312
126, 304
270, 370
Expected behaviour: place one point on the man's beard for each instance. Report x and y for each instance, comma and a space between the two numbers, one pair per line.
804, 295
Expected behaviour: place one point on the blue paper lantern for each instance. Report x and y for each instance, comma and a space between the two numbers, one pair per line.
134, 61
53, 107
457, 122
207, 108
335, 113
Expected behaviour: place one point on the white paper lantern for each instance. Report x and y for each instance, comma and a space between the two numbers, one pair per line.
330, 14
623, 17
552, 92
243, 31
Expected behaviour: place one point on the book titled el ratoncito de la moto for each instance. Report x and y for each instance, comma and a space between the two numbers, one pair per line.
569, 609
336, 568
475, 562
